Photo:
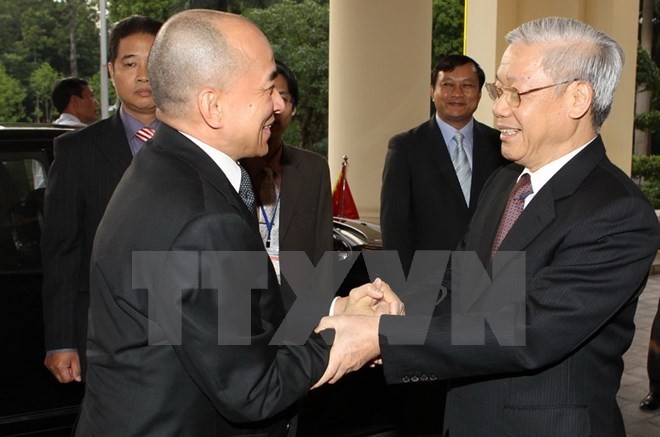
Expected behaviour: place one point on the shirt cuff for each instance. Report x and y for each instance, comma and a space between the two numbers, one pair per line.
332, 306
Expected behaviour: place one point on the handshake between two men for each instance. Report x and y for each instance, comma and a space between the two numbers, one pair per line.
356, 328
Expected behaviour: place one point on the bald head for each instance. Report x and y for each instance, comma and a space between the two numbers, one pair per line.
197, 49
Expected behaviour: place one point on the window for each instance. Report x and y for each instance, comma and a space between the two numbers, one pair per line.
22, 182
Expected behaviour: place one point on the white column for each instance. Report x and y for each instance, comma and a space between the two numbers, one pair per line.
380, 74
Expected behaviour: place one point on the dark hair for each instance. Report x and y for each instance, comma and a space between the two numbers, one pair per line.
130, 26
450, 62
66, 88
291, 80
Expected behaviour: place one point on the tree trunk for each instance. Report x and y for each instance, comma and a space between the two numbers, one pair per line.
73, 48
642, 144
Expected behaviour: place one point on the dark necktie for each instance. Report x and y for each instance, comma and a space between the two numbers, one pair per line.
268, 189
246, 192
514, 207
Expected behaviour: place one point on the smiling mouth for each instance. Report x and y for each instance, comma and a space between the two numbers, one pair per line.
509, 131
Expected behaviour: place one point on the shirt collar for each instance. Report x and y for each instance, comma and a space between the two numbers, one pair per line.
132, 124
541, 176
448, 133
228, 166
67, 119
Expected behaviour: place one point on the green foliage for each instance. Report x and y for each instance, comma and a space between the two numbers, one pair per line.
163, 9
447, 28
41, 84
160, 10
34, 32
648, 121
646, 172
298, 32
648, 73
11, 98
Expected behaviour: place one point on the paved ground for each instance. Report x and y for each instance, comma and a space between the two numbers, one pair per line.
634, 383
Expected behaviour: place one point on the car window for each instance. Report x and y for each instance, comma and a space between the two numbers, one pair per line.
22, 184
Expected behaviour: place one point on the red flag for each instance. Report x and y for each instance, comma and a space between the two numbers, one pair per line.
343, 204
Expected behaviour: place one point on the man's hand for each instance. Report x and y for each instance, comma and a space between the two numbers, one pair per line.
370, 299
64, 365
355, 344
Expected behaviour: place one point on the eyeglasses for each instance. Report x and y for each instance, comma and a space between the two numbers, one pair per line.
512, 95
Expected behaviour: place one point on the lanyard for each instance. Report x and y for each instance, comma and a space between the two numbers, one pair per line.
270, 222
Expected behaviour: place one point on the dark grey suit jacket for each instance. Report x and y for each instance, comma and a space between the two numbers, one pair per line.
589, 236
88, 166
422, 205
146, 375
306, 216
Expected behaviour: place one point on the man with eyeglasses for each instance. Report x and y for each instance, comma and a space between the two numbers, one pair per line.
581, 235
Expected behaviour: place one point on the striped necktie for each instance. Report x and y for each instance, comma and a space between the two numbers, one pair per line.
145, 134
514, 207
462, 166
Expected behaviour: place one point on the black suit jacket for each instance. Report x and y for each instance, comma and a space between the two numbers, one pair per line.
589, 236
140, 382
88, 166
422, 205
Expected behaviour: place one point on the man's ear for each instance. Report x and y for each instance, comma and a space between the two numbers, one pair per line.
582, 95
111, 72
210, 108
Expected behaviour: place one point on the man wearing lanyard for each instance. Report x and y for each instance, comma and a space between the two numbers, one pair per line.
293, 187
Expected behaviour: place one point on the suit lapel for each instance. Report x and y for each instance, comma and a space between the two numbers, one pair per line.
484, 224
114, 145
541, 210
290, 187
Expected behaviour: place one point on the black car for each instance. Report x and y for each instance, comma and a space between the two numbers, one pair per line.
32, 402
351, 238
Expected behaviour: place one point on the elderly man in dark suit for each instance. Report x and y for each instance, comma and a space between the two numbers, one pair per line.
576, 238
180, 343
88, 166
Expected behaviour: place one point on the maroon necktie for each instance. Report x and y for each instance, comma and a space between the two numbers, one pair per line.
145, 134
514, 207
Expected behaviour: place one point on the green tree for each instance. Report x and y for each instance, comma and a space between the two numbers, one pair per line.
33, 32
447, 28
41, 85
648, 80
11, 97
163, 9
158, 9
298, 32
